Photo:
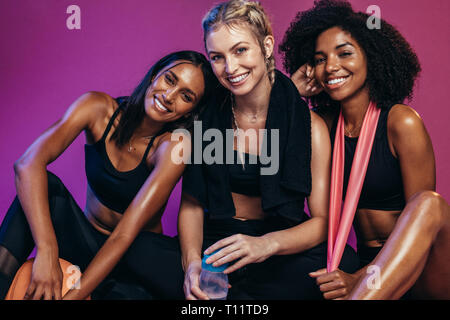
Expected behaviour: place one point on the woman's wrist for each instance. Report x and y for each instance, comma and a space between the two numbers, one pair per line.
272, 244
187, 260
360, 272
49, 248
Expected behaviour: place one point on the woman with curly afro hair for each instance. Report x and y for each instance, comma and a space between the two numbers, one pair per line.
349, 72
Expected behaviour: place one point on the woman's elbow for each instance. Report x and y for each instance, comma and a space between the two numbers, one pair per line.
20, 165
23, 165
322, 226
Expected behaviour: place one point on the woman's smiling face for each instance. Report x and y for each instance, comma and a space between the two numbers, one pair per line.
174, 91
236, 58
340, 64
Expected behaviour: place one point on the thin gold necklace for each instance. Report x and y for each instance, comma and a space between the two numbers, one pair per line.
252, 118
131, 148
350, 133
241, 156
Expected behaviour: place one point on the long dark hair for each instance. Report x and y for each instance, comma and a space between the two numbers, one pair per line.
134, 106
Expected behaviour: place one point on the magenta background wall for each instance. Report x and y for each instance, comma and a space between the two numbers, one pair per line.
44, 67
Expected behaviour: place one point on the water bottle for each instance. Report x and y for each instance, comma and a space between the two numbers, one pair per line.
213, 281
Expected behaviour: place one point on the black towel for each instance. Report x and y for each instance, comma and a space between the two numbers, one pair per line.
282, 193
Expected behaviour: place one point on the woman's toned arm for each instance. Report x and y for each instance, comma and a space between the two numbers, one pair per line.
190, 231
296, 239
412, 146
149, 200
32, 188
313, 231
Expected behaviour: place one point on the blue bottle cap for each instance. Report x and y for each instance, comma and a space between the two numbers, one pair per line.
210, 267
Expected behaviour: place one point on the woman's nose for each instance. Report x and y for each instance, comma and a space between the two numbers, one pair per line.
168, 96
332, 64
230, 65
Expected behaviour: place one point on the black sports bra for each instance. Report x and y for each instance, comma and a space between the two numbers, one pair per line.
245, 179
383, 185
114, 189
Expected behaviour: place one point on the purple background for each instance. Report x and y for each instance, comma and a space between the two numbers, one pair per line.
44, 67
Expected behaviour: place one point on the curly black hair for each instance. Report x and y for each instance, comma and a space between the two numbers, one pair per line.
392, 65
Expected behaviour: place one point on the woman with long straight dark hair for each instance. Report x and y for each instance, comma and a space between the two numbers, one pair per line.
130, 176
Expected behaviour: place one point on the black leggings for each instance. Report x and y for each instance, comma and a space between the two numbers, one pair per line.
78, 242
279, 277
151, 268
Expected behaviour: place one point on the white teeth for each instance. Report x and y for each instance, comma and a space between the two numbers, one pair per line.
334, 81
160, 106
240, 78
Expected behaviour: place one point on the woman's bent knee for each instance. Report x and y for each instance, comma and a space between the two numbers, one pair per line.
428, 206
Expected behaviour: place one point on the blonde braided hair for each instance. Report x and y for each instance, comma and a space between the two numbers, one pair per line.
242, 11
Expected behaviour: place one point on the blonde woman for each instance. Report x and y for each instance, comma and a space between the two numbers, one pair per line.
255, 221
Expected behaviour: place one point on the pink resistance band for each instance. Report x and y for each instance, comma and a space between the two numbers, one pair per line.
339, 226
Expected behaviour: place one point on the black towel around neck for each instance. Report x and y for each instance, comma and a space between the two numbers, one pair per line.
282, 193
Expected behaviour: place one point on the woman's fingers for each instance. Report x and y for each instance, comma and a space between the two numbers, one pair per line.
336, 294
30, 291
199, 294
304, 80
235, 255
220, 244
332, 285
300, 72
57, 293
48, 293
240, 248
192, 289
224, 255
38, 293
235, 266
318, 273
195, 289
309, 71
327, 277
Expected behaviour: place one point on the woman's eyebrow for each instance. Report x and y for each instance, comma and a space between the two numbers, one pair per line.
173, 74
344, 44
176, 79
337, 47
231, 49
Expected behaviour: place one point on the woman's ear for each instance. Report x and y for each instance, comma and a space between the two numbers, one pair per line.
268, 46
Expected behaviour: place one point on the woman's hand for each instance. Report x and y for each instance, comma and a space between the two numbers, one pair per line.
191, 284
305, 82
240, 248
335, 285
46, 278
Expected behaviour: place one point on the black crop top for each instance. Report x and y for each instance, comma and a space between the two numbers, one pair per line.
245, 179
114, 189
383, 185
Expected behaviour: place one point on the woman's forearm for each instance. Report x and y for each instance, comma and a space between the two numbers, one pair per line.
190, 230
191, 239
299, 238
101, 266
32, 190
